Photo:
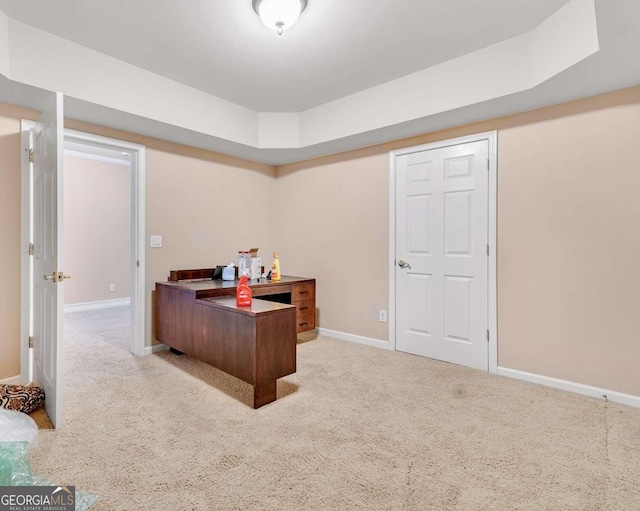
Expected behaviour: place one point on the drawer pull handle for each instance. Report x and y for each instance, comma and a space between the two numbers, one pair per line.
303, 324
304, 292
303, 308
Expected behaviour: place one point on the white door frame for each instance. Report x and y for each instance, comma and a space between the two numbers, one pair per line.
138, 296
138, 160
26, 359
492, 320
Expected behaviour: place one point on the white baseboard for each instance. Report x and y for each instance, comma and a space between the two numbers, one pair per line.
14, 380
369, 341
148, 350
578, 388
102, 304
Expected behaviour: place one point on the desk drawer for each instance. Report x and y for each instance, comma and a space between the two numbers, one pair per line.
305, 307
303, 292
306, 322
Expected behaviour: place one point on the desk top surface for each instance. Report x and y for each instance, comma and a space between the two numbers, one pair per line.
257, 308
204, 285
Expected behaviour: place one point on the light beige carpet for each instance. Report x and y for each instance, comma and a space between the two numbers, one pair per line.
356, 428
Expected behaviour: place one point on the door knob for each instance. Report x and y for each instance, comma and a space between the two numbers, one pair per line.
403, 264
57, 276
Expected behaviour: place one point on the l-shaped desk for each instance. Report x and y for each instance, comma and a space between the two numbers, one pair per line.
256, 344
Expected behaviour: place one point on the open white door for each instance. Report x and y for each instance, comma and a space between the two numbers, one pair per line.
47, 239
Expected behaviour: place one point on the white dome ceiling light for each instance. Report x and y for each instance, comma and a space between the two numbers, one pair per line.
279, 15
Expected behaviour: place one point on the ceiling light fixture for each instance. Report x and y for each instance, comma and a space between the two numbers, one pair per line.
279, 15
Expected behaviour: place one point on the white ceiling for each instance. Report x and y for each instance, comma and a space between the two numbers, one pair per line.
346, 68
337, 47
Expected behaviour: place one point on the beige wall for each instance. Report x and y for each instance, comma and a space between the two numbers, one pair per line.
568, 237
206, 206
567, 231
569, 247
205, 211
97, 230
332, 222
10, 234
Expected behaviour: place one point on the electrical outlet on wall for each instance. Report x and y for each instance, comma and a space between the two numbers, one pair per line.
112, 287
382, 316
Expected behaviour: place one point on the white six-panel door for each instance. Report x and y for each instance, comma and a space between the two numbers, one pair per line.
47, 240
441, 253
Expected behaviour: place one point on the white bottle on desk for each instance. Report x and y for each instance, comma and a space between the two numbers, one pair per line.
256, 267
244, 264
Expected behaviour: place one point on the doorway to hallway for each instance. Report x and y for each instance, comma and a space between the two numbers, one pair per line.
97, 205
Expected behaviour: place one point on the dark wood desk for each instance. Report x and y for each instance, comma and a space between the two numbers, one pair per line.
297, 291
256, 344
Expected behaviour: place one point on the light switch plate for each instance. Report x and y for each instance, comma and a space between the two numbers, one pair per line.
156, 241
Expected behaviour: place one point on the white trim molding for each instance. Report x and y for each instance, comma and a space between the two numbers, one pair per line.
359, 339
570, 386
14, 380
102, 304
97, 157
492, 275
148, 350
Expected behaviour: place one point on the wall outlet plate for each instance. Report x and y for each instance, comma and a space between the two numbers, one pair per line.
156, 241
382, 316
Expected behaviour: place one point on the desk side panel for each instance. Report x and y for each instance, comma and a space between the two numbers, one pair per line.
185, 308
165, 315
276, 346
175, 318
225, 340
